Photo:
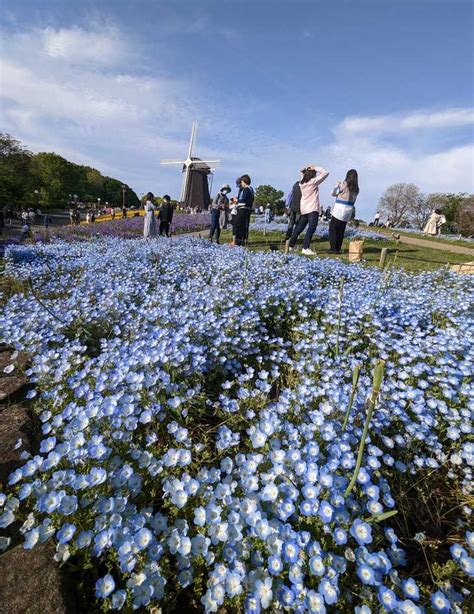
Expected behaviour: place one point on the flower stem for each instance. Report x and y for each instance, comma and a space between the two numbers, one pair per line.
376, 383
355, 381
341, 294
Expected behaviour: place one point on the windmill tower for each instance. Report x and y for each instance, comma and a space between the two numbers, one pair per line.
195, 187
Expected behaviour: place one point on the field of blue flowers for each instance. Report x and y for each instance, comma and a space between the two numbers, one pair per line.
249, 430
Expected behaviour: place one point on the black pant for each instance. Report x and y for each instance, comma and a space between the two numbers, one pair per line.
337, 229
293, 217
241, 225
215, 225
310, 219
164, 228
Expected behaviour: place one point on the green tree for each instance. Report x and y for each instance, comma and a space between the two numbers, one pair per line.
465, 216
267, 194
56, 177
450, 203
21, 173
16, 186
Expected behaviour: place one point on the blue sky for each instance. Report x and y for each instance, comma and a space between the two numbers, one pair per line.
383, 86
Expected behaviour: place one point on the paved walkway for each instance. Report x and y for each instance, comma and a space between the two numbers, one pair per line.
437, 245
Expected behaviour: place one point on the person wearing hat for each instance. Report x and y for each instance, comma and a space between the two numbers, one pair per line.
166, 215
244, 209
219, 204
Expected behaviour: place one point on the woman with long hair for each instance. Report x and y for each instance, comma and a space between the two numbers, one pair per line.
149, 225
310, 208
344, 209
244, 209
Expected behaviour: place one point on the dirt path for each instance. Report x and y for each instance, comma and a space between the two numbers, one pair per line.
443, 247
31, 581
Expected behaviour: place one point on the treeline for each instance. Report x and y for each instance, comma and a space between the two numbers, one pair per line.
405, 205
49, 180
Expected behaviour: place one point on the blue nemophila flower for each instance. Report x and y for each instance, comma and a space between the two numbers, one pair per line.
315, 603
466, 564
361, 531
251, 605
387, 598
411, 589
366, 574
329, 591
290, 551
286, 596
439, 603
316, 566
408, 607
457, 552
275, 565
104, 586
264, 592
118, 599
66, 533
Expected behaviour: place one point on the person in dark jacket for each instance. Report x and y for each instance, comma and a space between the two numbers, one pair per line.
166, 215
293, 206
218, 205
244, 209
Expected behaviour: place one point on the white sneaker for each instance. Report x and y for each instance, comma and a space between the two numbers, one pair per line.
308, 252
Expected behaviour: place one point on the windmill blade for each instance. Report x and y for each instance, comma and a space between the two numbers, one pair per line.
206, 162
193, 140
165, 162
184, 184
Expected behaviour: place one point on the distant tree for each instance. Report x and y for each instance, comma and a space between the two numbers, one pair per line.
279, 207
465, 216
57, 178
449, 203
267, 194
15, 172
421, 210
21, 173
399, 201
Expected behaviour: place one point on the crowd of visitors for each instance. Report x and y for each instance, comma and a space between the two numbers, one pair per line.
302, 205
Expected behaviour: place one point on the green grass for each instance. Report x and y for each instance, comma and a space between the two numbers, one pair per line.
440, 239
410, 257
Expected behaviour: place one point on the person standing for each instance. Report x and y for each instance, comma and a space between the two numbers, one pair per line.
244, 209
344, 209
268, 214
9, 215
149, 225
46, 220
293, 201
434, 223
310, 208
124, 212
224, 214
377, 218
166, 215
219, 203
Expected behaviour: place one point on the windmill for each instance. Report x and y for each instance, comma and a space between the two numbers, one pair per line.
195, 188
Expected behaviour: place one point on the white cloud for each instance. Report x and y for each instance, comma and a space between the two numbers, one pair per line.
80, 46
448, 118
